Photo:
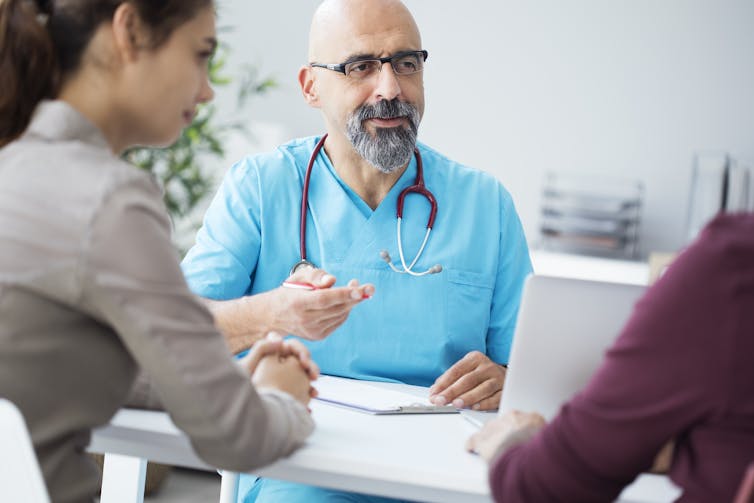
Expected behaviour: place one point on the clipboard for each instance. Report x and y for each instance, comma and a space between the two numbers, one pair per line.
369, 398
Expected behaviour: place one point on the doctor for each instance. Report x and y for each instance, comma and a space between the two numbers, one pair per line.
450, 328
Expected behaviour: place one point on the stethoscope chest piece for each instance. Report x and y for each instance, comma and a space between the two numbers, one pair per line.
301, 264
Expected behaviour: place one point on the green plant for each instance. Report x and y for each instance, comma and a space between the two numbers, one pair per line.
179, 167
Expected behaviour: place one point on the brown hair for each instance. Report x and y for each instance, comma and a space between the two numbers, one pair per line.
42, 41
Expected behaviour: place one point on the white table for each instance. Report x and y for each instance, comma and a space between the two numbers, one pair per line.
418, 457
590, 268
409, 456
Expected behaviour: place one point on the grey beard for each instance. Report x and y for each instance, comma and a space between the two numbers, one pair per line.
390, 148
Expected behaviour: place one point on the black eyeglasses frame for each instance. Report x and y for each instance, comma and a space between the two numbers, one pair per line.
341, 67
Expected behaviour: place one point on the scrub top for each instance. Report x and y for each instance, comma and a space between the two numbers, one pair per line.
413, 328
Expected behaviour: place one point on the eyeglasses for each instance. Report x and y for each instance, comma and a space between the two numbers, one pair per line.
403, 63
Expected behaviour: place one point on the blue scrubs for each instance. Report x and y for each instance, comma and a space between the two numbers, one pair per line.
413, 329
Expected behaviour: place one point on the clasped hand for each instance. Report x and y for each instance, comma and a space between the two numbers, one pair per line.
285, 365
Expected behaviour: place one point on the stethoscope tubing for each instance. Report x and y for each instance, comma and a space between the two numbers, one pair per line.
305, 197
418, 187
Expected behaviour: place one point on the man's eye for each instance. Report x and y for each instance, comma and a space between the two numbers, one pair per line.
361, 67
407, 65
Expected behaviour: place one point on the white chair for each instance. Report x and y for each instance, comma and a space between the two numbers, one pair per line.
20, 477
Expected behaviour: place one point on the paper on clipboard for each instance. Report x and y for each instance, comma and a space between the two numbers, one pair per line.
371, 399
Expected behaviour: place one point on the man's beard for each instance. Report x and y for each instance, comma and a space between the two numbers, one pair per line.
390, 148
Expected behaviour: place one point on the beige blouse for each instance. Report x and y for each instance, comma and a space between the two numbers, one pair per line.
91, 289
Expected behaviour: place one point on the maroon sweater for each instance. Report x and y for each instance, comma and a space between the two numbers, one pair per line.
683, 369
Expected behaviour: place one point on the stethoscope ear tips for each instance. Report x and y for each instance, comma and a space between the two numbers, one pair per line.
385, 256
435, 269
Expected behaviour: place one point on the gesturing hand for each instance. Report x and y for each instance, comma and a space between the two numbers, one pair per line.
315, 314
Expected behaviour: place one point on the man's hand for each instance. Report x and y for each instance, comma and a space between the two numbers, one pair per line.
502, 433
315, 314
310, 314
474, 382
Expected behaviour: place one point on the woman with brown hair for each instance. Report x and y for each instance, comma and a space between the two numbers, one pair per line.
90, 286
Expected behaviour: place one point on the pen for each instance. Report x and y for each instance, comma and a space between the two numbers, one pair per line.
300, 285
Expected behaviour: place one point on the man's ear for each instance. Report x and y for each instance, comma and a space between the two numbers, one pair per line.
308, 87
128, 31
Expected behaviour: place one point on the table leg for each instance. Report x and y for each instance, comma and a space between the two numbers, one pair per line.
228, 487
123, 479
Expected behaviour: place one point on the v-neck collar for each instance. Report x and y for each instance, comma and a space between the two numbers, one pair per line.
406, 179
347, 225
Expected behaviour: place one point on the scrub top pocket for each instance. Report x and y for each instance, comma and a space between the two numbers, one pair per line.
468, 305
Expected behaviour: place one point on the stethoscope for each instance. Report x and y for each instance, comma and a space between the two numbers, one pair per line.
418, 187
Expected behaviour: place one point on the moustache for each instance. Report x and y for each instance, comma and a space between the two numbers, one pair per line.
389, 109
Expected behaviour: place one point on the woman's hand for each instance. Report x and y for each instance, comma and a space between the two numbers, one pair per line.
284, 365
284, 373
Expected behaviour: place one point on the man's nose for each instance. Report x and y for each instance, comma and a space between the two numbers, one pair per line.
387, 86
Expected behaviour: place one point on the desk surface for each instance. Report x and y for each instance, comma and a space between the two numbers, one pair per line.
591, 268
418, 457
409, 456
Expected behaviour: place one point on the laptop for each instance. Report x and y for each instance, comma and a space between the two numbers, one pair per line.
564, 327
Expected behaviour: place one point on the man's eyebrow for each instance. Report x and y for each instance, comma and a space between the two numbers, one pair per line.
359, 57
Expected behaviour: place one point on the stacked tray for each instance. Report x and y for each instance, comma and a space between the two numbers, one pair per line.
592, 215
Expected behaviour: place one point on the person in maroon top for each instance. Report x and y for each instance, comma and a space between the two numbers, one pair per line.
682, 369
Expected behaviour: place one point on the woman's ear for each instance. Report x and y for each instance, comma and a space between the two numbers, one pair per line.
308, 87
128, 31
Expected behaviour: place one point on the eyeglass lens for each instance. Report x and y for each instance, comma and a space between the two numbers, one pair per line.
403, 64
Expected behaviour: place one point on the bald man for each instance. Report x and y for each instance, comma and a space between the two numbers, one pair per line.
435, 307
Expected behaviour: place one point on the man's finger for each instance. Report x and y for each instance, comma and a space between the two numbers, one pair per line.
473, 388
335, 297
326, 327
488, 402
463, 385
459, 369
324, 317
317, 277
320, 328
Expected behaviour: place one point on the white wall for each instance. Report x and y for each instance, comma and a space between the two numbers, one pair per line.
624, 88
